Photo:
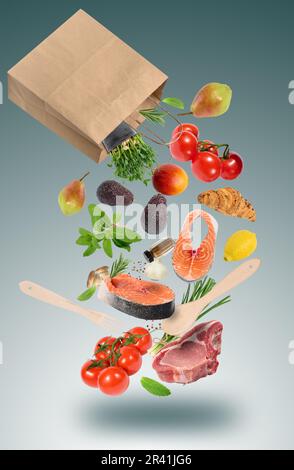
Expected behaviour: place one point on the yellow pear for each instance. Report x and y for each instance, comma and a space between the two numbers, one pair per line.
72, 197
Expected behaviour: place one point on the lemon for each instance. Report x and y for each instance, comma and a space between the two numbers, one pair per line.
240, 245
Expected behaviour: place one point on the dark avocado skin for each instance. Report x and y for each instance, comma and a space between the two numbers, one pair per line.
154, 219
110, 190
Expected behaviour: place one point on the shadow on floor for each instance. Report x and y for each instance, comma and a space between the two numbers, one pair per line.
199, 414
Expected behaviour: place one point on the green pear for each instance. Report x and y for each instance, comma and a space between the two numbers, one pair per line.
72, 197
212, 100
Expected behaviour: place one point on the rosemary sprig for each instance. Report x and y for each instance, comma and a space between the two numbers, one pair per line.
119, 266
158, 117
154, 115
199, 289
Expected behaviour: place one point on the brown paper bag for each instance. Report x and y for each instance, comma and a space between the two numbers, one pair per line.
83, 81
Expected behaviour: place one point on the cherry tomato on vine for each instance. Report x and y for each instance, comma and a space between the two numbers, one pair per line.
113, 381
105, 344
184, 140
206, 167
232, 166
185, 127
207, 145
130, 359
143, 343
103, 356
90, 376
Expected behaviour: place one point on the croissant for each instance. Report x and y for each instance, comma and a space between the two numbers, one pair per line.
228, 201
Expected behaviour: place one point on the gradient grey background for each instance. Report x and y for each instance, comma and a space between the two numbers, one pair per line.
249, 402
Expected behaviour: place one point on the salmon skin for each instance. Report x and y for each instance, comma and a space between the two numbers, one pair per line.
192, 264
142, 299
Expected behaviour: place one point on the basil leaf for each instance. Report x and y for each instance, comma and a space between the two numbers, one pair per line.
107, 247
90, 250
154, 387
174, 102
87, 294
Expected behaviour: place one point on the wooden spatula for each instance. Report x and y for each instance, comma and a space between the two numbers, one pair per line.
49, 297
186, 314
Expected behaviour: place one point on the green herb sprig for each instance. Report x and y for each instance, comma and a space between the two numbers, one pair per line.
105, 232
119, 266
199, 289
157, 116
133, 160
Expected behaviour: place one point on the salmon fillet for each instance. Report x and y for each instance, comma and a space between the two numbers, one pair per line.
143, 299
191, 264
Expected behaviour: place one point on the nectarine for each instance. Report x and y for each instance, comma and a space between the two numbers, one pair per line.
170, 179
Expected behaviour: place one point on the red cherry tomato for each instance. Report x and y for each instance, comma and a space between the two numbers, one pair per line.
105, 344
90, 376
185, 127
208, 146
184, 140
130, 359
206, 167
232, 166
143, 343
103, 356
113, 381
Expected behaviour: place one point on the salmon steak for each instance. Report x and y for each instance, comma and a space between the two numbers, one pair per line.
191, 263
142, 299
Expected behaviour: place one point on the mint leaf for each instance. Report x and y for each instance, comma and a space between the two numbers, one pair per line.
121, 244
116, 218
95, 213
89, 251
82, 240
107, 247
174, 102
87, 294
154, 387
85, 233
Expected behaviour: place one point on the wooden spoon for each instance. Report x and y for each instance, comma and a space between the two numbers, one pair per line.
186, 314
44, 295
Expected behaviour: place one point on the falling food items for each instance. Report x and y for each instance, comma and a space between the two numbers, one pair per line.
71, 198
142, 299
114, 194
228, 201
156, 270
212, 100
154, 216
115, 360
170, 179
191, 264
186, 352
240, 245
159, 249
192, 356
